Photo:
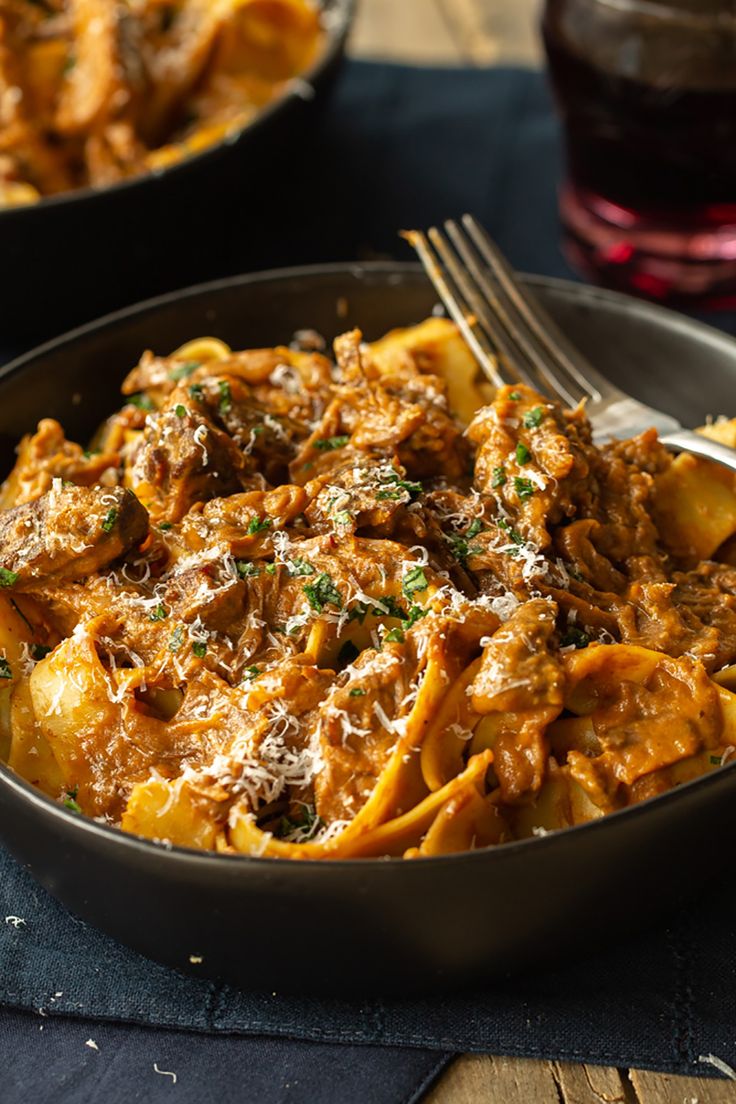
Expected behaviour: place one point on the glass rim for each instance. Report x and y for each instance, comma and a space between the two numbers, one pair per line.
675, 11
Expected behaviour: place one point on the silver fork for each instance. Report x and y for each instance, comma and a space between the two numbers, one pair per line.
515, 341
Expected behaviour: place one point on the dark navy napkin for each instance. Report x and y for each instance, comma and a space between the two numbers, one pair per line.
396, 148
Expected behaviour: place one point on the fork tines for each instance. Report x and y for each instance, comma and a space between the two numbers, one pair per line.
511, 335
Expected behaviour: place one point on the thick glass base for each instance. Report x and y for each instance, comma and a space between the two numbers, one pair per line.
681, 259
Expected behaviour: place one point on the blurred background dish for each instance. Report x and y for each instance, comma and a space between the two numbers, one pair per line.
156, 217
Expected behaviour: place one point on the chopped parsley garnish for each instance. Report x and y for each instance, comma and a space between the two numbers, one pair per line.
142, 401
383, 496
180, 411
199, 648
159, 614
323, 592
270, 569
474, 529
715, 760
412, 489
70, 801
298, 567
460, 546
498, 477
343, 518
195, 391
177, 639
414, 581
515, 396
5, 671
329, 444
183, 371
357, 692
226, 399
307, 824
258, 526
111, 517
358, 612
348, 653
524, 488
8, 578
250, 673
246, 569
523, 455
513, 534
39, 651
394, 636
391, 608
575, 637
533, 418
416, 613
164, 526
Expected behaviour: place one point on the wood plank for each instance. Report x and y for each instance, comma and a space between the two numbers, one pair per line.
492, 32
411, 31
664, 1088
479, 1079
579, 1084
448, 32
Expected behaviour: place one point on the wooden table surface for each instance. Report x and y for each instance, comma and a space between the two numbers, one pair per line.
487, 32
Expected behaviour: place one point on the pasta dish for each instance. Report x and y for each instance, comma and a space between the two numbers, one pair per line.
94, 91
303, 608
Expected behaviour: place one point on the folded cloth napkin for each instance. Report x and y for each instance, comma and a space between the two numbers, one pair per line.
397, 148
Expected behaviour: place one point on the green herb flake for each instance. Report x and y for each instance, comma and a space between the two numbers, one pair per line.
110, 518
183, 371
70, 801
416, 613
180, 411
159, 614
414, 582
298, 568
391, 608
226, 399
524, 488
498, 478
250, 673
533, 418
258, 526
177, 639
199, 648
715, 760
195, 391
323, 592
475, 527
358, 612
142, 401
164, 526
407, 485
575, 637
39, 651
523, 455
383, 496
247, 570
394, 636
343, 518
8, 578
357, 692
5, 671
348, 653
329, 444
515, 396
513, 534
270, 569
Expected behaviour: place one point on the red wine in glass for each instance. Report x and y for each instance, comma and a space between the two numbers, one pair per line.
647, 93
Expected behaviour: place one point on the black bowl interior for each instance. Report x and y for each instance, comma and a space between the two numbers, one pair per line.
383, 926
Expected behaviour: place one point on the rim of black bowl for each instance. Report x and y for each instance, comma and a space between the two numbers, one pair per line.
337, 27
82, 823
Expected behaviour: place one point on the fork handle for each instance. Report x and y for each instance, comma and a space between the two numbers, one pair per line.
685, 440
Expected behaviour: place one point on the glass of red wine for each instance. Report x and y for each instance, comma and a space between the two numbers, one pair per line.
647, 93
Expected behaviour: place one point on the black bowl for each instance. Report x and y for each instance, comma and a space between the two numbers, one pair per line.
71, 257
369, 925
